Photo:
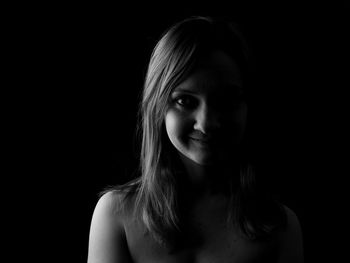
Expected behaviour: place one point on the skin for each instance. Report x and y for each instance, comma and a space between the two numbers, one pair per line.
115, 236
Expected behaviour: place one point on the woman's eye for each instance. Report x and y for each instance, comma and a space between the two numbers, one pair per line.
185, 101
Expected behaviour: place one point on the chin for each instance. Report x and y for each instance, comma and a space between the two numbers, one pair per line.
203, 160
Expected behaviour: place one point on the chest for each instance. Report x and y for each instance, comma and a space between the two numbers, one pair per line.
216, 242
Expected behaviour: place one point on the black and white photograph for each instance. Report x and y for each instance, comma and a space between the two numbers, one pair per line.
177, 132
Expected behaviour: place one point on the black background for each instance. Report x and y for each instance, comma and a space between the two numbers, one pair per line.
78, 71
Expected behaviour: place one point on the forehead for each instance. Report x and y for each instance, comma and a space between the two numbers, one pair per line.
214, 73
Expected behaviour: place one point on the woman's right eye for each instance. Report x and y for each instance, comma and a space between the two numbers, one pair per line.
185, 101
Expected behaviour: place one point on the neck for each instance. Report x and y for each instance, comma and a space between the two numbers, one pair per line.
202, 179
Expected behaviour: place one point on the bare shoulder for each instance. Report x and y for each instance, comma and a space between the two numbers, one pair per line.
107, 236
112, 201
110, 206
291, 239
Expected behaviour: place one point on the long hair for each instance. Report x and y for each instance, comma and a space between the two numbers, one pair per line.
156, 193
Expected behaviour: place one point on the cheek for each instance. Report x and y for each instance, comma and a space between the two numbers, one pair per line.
176, 125
236, 123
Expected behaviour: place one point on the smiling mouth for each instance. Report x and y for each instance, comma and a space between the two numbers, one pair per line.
202, 141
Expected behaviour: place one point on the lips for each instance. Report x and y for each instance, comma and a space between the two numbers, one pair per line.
202, 142
200, 137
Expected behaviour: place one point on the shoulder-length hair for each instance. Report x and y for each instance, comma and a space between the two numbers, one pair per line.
155, 191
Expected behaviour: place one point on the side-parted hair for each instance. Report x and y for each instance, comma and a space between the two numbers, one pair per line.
155, 191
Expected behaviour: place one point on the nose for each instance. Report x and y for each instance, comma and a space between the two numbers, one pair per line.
206, 120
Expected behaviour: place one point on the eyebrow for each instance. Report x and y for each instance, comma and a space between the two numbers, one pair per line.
185, 91
227, 87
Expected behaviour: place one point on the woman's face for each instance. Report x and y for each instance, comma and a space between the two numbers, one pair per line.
206, 117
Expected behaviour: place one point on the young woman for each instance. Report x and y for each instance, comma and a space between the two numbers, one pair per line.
196, 198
